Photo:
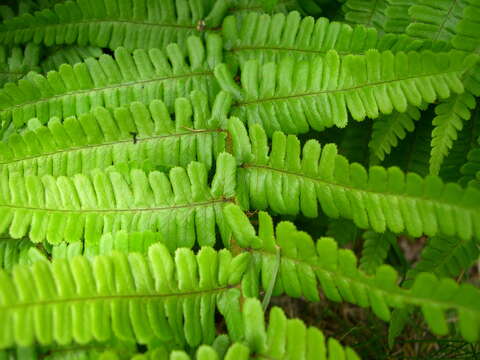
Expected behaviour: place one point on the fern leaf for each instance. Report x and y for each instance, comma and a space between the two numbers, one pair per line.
15, 63
108, 24
434, 19
466, 32
471, 169
305, 266
413, 153
69, 55
280, 339
366, 12
127, 297
111, 82
293, 96
133, 134
397, 18
375, 250
446, 256
447, 122
86, 206
280, 179
462, 147
389, 128
267, 38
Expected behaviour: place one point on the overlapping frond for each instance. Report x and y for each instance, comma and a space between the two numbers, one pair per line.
388, 129
139, 24
15, 62
435, 19
446, 256
134, 134
305, 266
267, 38
294, 96
181, 204
467, 30
69, 55
112, 82
375, 250
366, 12
283, 180
128, 297
281, 339
448, 121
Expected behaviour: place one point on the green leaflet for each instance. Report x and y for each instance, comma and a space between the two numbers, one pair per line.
15, 62
281, 179
135, 134
306, 266
435, 19
295, 96
180, 204
127, 297
112, 82
466, 32
268, 38
139, 24
389, 128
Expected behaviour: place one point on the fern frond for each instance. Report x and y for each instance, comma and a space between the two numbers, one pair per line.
288, 183
293, 96
127, 297
375, 250
447, 122
69, 55
15, 62
280, 339
397, 18
112, 82
267, 38
110, 24
471, 169
181, 204
366, 12
435, 19
446, 256
388, 129
305, 266
132, 134
462, 147
413, 153
467, 30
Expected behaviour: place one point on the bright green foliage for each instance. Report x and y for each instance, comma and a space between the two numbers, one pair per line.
128, 297
269, 38
306, 265
142, 141
295, 96
15, 63
112, 82
389, 128
136, 134
288, 183
139, 24
375, 250
85, 206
